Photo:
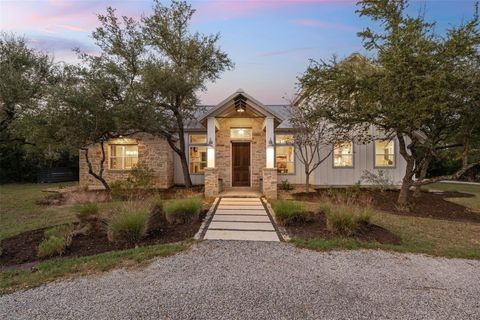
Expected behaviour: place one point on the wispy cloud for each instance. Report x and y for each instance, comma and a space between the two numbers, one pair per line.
53, 43
285, 52
325, 24
73, 28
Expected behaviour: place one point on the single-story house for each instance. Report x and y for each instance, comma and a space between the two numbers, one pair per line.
242, 142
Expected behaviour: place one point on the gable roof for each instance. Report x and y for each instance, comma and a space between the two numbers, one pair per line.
253, 103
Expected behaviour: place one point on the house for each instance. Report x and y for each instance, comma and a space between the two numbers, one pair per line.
241, 142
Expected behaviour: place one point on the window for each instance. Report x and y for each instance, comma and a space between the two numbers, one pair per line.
284, 153
197, 153
240, 133
198, 139
123, 157
343, 155
384, 153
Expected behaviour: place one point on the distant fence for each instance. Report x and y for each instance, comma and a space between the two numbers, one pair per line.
57, 175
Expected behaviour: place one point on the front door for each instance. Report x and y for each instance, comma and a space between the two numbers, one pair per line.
241, 164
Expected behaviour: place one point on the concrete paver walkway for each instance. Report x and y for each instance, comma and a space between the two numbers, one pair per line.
241, 219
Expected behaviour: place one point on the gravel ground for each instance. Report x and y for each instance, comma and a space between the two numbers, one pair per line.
260, 280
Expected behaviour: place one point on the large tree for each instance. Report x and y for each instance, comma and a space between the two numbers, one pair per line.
26, 74
162, 66
412, 88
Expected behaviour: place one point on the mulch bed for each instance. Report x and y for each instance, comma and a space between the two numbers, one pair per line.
316, 228
22, 249
428, 205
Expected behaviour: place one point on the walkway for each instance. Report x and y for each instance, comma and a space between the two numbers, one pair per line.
241, 219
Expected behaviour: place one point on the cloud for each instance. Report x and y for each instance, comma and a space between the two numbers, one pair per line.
325, 25
286, 51
53, 44
73, 28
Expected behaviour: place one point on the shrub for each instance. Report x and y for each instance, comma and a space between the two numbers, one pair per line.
285, 185
290, 212
129, 225
119, 190
380, 179
52, 246
157, 214
141, 177
345, 220
87, 212
62, 231
180, 211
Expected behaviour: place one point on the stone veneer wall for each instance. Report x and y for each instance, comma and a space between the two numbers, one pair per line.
153, 152
223, 148
212, 188
269, 187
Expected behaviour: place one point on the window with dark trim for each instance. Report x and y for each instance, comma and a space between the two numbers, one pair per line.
384, 153
343, 155
284, 153
197, 153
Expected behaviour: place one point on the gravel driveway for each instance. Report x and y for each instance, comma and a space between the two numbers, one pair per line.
260, 280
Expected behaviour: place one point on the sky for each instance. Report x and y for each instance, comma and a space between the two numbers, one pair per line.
270, 41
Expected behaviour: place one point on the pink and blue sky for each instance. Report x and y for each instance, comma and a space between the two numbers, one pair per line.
270, 41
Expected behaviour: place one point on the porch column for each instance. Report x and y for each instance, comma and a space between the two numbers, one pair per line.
211, 142
212, 186
270, 142
269, 173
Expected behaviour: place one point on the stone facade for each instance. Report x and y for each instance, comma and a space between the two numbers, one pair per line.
212, 187
269, 185
153, 152
223, 148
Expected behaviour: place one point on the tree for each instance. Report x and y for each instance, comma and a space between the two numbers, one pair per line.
25, 78
411, 88
314, 137
161, 67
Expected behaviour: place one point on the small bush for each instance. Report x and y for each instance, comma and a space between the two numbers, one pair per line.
52, 246
157, 217
141, 176
61, 231
379, 179
128, 225
119, 190
290, 212
345, 220
285, 185
180, 211
87, 212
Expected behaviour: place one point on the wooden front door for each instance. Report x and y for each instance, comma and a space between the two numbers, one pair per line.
241, 164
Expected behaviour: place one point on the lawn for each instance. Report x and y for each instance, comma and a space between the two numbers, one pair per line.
473, 202
436, 237
20, 212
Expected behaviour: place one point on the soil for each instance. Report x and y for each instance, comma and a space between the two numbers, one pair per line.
316, 228
427, 205
21, 250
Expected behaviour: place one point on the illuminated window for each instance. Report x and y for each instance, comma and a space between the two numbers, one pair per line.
123, 157
240, 133
384, 153
198, 139
197, 153
284, 153
343, 154
284, 138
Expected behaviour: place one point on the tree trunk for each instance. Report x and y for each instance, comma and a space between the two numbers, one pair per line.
422, 175
98, 176
307, 182
403, 200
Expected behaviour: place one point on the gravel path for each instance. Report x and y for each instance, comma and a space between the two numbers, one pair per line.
261, 280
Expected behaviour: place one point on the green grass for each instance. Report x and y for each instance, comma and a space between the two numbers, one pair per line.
61, 268
473, 203
289, 212
183, 210
19, 212
419, 235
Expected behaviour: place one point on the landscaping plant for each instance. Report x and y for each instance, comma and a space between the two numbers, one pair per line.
180, 211
345, 220
129, 225
290, 212
56, 240
285, 185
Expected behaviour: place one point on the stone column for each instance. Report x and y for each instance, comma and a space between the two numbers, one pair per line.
270, 183
212, 188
